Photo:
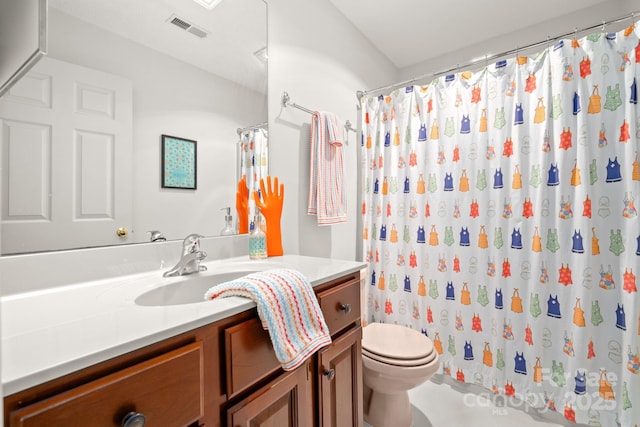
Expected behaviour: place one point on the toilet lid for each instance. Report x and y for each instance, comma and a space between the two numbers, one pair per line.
401, 362
386, 342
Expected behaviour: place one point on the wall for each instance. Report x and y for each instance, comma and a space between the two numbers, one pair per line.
320, 59
170, 97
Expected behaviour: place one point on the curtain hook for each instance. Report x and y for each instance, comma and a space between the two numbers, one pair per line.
575, 43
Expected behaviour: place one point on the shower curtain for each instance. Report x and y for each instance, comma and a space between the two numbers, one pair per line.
499, 220
254, 160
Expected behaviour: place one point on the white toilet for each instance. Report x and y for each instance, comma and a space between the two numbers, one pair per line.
395, 359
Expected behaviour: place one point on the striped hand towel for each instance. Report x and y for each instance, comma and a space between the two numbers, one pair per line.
288, 308
327, 195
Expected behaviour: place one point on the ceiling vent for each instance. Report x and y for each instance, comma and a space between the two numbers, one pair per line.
187, 26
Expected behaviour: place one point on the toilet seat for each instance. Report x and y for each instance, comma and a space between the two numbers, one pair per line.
397, 345
399, 362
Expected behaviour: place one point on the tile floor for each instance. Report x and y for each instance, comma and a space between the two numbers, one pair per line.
445, 404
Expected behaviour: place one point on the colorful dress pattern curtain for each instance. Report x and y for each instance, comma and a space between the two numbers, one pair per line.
499, 219
254, 160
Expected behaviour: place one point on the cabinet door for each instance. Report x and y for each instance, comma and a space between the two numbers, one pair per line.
340, 381
285, 402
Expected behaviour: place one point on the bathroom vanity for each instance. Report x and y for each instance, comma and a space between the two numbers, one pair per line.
201, 364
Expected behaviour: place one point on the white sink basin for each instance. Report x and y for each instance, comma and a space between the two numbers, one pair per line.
189, 289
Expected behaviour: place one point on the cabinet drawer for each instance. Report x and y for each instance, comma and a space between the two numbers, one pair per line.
249, 355
341, 305
167, 390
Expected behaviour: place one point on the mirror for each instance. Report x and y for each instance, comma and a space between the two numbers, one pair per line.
23, 41
170, 67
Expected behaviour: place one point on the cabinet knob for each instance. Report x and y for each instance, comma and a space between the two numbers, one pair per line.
346, 308
329, 373
134, 419
122, 232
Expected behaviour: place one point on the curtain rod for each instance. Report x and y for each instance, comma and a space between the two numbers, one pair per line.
603, 24
286, 102
264, 125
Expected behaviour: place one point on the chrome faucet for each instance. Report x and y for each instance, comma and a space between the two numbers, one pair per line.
190, 260
156, 236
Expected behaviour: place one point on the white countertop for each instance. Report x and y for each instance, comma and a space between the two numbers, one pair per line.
52, 332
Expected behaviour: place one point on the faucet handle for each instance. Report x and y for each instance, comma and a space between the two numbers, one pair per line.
156, 236
191, 238
191, 243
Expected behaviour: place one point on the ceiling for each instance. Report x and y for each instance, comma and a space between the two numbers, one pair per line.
409, 32
236, 29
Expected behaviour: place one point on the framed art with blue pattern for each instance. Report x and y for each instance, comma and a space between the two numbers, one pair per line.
179, 163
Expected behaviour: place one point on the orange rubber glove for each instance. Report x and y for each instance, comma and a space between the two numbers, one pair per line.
271, 208
242, 206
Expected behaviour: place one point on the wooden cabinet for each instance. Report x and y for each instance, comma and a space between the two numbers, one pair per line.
249, 356
223, 374
340, 305
340, 381
328, 388
166, 390
287, 401
340, 364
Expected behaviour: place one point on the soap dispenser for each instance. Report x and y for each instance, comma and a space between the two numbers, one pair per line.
257, 239
228, 229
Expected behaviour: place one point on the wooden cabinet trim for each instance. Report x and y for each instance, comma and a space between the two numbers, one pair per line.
332, 284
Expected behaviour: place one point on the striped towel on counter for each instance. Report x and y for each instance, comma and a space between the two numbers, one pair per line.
327, 195
288, 308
